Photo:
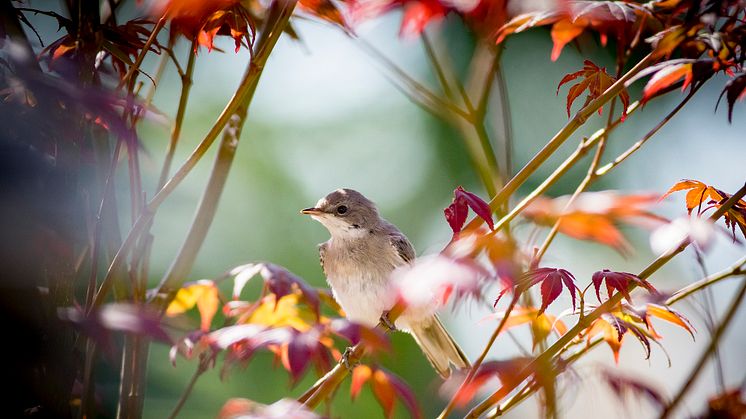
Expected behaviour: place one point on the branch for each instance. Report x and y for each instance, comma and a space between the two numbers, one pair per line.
735, 270
709, 351
243, 93
475, 366
326, 385
201, 368
572, 125
585, 321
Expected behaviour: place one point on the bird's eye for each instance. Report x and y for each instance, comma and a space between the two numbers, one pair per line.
342, 209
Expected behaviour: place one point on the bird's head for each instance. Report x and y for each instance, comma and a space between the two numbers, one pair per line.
345, 213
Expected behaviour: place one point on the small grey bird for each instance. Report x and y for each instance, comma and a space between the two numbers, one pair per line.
358, 260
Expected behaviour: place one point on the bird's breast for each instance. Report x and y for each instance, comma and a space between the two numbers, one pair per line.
358, 275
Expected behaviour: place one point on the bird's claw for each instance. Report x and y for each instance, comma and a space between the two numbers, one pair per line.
387, 323
349, 364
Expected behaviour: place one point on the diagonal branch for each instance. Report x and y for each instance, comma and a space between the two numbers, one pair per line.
585, 321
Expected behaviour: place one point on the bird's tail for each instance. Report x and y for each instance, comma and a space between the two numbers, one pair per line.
439, 347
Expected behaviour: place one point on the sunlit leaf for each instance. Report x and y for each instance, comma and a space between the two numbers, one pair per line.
541, 323
552, 282
204, 294
457, 212
594, 79
386, 387
619, 281
594, 215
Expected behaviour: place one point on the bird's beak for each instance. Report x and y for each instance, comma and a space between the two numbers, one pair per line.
311, 211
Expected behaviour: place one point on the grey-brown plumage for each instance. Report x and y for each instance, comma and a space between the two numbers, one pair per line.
358, 260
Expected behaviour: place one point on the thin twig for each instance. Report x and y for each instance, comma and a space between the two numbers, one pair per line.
478, 362
201, 368
560, 137
719, 331
594, 173
545, 357
734, 270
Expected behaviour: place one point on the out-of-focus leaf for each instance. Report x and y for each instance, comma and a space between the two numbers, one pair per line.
541, 323
728, 405
507, 371
360, 375
619, 281
431, 280
623, 384
734, 90
204, 293
594, 215
373, 338
279, 281
667, 76
117, 317
324, 9
386, 387
239, 408
620, 19
286, 312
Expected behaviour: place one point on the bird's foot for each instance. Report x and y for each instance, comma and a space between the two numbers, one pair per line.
386, 322
346, 361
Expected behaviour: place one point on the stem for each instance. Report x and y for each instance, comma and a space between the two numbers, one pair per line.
636, 146
186, 85
243, 93
201, 368
411, 83
581, 151
707, 353
472, 129
475, 366
145, 49
327, 384
594, 173
584, 322
572, 125
735, 270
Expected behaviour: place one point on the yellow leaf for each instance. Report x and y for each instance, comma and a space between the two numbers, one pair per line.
287, 312
203, 294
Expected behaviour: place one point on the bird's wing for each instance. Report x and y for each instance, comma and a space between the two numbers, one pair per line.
402, 246
322, 252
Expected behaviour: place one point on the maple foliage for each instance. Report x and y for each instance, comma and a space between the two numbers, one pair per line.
542, 324
240, 408
622, 385
594, 215
552, 280
700, 194
596, 80
625, 319
204, 294
387, 388
622, 20
457, 212
202, 21
619, 281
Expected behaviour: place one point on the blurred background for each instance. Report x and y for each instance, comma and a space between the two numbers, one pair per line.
326, 117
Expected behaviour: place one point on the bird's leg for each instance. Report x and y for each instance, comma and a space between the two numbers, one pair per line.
386, 322
350, 365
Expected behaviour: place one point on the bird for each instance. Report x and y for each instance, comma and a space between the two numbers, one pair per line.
358, 259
